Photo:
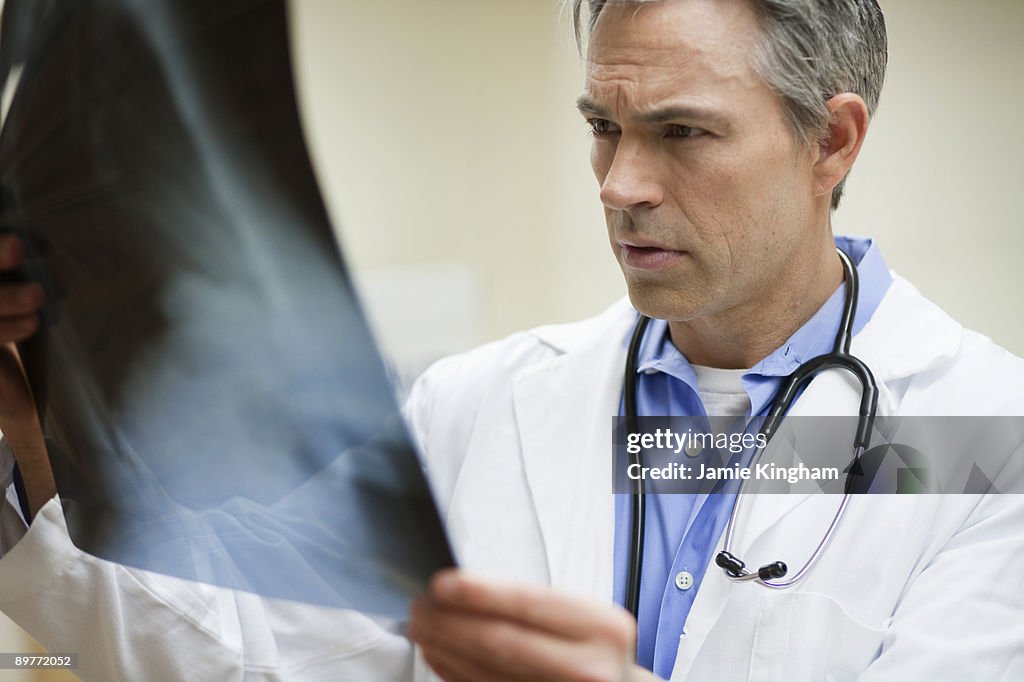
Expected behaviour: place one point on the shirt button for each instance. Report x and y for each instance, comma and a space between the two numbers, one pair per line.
684, 580
693, 448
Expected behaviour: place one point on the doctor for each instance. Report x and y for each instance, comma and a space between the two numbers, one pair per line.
722, 133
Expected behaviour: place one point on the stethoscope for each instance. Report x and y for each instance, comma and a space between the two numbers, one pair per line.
735, 570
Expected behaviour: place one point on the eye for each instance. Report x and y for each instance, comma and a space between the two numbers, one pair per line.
599, 127
682, 131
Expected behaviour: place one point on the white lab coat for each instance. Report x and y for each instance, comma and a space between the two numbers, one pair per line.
516, 436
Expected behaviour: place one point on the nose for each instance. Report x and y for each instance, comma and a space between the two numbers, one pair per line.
631, 181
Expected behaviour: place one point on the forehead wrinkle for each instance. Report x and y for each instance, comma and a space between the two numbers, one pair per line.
682, 84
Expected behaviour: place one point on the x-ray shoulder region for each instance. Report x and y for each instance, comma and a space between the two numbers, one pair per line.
214, 405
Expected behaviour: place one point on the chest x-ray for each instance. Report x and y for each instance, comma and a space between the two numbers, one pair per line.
214, 405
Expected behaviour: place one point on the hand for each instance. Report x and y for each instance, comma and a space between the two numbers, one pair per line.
20, 302
476, 630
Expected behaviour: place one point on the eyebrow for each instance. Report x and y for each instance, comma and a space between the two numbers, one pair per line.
589, 106
667, 113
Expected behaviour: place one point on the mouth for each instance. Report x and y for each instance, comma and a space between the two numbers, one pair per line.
648, 257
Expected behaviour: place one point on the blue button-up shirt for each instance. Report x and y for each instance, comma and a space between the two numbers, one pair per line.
682, 531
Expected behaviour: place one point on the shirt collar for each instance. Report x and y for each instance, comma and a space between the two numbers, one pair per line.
815, 337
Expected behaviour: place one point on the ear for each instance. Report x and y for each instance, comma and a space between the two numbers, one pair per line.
847, 126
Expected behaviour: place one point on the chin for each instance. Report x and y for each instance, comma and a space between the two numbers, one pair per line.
663, 303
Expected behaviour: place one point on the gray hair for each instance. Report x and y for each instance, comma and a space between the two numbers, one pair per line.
810, 51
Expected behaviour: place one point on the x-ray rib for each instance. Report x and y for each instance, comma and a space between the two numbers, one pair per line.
214, 405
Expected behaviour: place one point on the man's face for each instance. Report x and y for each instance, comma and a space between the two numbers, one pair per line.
708, 195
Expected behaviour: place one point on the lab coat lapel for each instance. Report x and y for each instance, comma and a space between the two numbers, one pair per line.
906, 335
830, 393
565, 434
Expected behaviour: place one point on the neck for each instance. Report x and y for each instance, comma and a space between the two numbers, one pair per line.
742, 336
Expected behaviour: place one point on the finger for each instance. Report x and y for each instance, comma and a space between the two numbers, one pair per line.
22, 298
537, 606
452, 668
444, 672
509, 650
452, 637
18, 328
12, 251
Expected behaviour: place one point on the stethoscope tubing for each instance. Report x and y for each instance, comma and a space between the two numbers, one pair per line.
839, 358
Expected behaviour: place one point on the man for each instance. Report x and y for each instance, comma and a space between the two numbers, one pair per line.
723, 130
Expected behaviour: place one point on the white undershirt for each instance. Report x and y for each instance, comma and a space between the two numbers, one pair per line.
722, 392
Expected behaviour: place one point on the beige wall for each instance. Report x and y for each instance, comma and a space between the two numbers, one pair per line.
445, 133
942, 175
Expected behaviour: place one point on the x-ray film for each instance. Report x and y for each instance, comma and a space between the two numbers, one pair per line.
214, 405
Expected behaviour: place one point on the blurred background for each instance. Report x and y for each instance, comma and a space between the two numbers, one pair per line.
448, 147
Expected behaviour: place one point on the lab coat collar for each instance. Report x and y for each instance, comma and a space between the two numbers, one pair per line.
907, 333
